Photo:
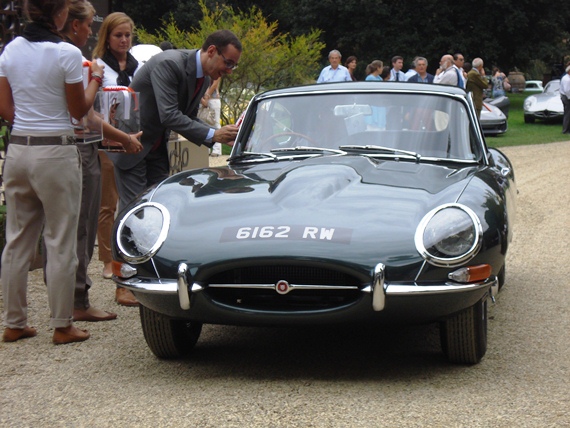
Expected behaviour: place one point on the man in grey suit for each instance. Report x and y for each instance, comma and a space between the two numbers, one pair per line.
171, 85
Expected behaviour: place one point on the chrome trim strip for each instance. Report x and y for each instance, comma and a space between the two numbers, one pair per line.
291, 286
149, 285
448, 287
182, 285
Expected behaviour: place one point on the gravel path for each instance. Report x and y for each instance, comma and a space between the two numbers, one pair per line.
353, 377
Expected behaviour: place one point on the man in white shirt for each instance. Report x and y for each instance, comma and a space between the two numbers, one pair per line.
396, 74
446, 74
334, 72
458, 61
412, 70
565, 95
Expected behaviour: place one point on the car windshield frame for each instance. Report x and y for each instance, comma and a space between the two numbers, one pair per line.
414, 125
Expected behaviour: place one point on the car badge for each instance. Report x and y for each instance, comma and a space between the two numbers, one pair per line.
282, 287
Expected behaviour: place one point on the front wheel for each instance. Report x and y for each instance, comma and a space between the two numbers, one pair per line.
464, 336
167, 337
529, 119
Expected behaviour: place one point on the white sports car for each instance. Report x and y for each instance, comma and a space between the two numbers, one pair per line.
545, 106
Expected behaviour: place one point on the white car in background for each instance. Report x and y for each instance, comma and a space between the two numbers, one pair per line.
545, 106
533, 86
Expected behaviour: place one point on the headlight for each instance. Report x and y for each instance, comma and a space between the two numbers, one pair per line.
449, 235
528, 103
142, 232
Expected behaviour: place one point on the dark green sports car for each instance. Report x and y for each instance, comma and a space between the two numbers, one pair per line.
360, 202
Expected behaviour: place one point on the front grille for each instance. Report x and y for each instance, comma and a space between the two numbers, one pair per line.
547, 114
296, 300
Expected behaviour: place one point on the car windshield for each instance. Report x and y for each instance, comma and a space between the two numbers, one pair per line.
552, 87
375, 124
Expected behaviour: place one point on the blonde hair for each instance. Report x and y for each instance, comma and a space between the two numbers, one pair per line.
80, 10
110, 22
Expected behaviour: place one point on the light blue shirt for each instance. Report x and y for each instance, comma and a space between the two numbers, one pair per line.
372, 78
339, 74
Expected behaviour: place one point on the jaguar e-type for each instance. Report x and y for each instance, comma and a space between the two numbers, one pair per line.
371, 202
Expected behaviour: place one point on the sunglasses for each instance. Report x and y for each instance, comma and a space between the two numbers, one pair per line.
230, 65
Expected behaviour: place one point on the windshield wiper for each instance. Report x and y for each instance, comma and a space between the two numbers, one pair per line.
308, 149
372, 147
268, 156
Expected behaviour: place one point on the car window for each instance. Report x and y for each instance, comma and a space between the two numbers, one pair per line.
430, 125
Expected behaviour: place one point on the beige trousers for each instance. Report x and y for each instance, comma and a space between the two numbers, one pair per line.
43, 187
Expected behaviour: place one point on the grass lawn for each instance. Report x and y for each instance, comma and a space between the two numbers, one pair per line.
520, 133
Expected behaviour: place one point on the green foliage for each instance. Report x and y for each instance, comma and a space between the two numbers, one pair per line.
4, 134
269, 59
536, 70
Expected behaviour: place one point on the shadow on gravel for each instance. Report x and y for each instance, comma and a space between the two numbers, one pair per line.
323, 353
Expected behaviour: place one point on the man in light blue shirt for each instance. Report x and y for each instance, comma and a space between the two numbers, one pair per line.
334, 72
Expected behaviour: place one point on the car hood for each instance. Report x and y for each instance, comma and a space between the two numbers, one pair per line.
358, 209
551, 102
491, 112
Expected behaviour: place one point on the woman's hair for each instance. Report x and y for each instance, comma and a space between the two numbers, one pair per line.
349, 60
373, 66
111, 22
385, 72
80, 10
42, 11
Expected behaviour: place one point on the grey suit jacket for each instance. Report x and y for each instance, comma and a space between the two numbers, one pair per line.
166, 84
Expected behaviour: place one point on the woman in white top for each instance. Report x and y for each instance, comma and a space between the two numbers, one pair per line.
41, 85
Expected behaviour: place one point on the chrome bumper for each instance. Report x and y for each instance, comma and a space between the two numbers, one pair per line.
379, 289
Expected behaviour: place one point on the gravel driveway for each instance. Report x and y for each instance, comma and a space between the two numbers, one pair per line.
354, 377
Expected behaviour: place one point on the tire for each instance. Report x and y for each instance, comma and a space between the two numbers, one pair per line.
167, 337
464, 336
528, 119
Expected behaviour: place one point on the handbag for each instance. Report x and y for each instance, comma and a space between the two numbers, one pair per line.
207, 115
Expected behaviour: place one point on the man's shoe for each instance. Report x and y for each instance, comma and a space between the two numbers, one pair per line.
125, 297
92, 315
69, 334
13, 334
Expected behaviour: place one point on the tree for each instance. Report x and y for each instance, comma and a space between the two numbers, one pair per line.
510, 34
269, 59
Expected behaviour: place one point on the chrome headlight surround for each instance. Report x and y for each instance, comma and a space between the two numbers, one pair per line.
142, 231
449, 235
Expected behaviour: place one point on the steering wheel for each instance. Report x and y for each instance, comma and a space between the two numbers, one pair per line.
288, 133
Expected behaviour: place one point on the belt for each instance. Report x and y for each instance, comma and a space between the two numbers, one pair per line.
63, 140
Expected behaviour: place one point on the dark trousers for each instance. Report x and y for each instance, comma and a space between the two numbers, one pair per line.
566, 120
152, 169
